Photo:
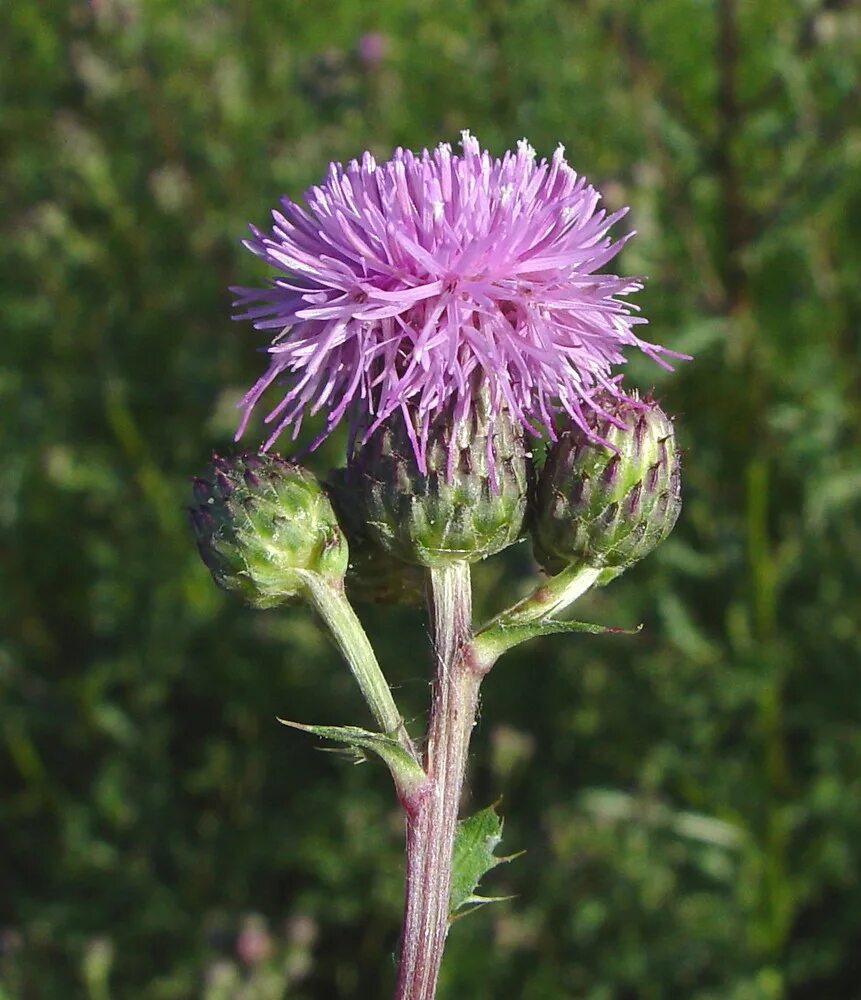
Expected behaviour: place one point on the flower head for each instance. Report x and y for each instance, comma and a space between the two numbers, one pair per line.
372, 48
414, 284
608, 507
263, 525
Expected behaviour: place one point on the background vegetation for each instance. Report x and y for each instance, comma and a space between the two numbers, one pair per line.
689, 798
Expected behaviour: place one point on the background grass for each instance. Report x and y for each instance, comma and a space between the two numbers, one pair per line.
689, 798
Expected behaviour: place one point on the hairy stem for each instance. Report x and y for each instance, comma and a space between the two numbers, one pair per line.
432, 816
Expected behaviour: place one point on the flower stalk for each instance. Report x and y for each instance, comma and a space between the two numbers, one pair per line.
330, 602
530, 616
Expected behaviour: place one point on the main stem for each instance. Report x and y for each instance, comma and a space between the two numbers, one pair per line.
432, 818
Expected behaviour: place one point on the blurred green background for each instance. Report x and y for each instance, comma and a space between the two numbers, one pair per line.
689, 798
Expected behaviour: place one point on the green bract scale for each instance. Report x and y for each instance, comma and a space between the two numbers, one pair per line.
261, 523
607, 507
373, 575
469, 504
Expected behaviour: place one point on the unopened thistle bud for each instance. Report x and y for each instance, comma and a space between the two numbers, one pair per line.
373, 576
469, 504
607, 507
261, 523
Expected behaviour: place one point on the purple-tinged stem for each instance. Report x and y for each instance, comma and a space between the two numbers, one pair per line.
432, 816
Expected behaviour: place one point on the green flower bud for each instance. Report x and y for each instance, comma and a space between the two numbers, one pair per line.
470, 503
373, 576
260, 523
607, 507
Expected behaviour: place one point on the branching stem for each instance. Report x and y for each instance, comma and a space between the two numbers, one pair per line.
336, 611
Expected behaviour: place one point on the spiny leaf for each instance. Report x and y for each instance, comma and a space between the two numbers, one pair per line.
499, 637
407, 772
476, 839
550, 626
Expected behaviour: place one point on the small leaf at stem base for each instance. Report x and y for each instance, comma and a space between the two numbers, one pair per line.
476, 839
501, 636
407, 773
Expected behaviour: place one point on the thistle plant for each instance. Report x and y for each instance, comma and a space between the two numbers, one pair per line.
450, 309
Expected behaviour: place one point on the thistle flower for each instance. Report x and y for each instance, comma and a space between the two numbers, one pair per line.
372, 48
608, 507
261, 523
374, 576
406, 284
470, 504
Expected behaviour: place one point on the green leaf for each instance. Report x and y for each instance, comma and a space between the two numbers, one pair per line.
407, 772
499, 637
476, 839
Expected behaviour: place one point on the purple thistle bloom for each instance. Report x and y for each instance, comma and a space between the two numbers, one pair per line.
415, 283
372, 47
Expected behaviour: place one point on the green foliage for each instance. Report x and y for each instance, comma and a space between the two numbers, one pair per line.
501, 637
689, 797
405, 770
473, 857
